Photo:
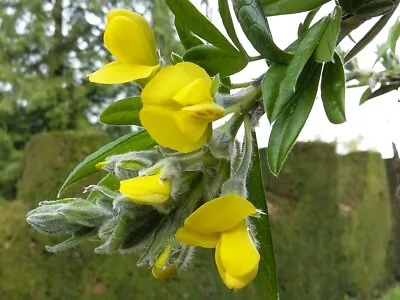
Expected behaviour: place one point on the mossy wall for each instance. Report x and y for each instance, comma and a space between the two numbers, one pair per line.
331, 229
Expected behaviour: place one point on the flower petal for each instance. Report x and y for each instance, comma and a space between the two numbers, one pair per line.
239, 255
146, 190
209, 111
126, 40
161, 125
194, 72
196, 92
117, 72
142, 24
220, 214
191, 238
237, 283
170, 81
192, 128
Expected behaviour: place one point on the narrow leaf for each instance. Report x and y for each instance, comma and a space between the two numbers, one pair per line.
374, 8
270, 87
215, 60
195, 21
226, 17
287, 127
327, 43
303, 27
188, 39
139, 140
282, 7
123, 112
265, 282
369, 36
379, 92
333, 86
296, 67
394, 35
255, 26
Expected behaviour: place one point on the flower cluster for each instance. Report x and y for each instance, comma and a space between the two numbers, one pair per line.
165, 200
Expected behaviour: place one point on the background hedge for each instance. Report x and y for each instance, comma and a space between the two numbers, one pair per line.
331, 218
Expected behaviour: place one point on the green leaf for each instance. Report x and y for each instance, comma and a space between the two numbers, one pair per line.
394, 35
188, 39
365, 95
123, 112
186, 13
139, 140
327, 43
368, 37
282, 7
368, 95
333, 86
226, 17
255, 26
176, 58
296, 66
374, 8
265, 282
270, 86
303, 27
287, 127
215, 60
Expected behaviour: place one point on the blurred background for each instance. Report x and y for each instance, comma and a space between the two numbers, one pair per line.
335, 217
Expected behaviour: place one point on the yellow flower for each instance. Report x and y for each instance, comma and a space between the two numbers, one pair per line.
221, 223
178, 107
148, 190
160, 270
130, 40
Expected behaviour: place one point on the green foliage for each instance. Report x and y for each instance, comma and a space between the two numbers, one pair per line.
281, 7
49, 158
256, 28
123, 112
288, 126
333, 87
139, 140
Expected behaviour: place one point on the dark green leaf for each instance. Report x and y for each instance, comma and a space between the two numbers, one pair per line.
270, 86
368, 37
139, 140
188, 15
287, 127
265, 282
296, 66
327, 43
333, 85
123, 112
379, 92
282, 7
215, 60
394, 35
255, 26
374, 8
188, 39
226, 17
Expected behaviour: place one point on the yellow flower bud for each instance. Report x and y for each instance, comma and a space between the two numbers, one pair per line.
131, 41
178, 108
160, 270
222, 223
147, 190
